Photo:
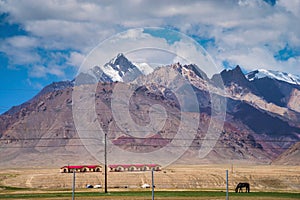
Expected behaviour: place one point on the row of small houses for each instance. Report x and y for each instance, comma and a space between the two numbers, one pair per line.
112, 168
81, 168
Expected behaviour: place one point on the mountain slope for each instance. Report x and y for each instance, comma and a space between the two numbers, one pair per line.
290, 157
117, 69
41, 132
259, 126
275, 87
280, 76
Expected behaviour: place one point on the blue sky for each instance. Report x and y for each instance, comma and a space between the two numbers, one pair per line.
46, 41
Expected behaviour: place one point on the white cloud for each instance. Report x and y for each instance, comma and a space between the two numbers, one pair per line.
34, 85
56, 70
20, 50
257, 58
253, 58
139, 47
292, 6
40, 71
245, 32
76, 59
59, 34
22, 42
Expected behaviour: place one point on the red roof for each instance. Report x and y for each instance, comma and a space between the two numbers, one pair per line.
133, 165
80, 166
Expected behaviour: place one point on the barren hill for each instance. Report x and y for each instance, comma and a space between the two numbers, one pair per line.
257, 129
290, 157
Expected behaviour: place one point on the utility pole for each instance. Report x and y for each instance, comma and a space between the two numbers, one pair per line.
227, 197
73, 185
152, 174
105, 163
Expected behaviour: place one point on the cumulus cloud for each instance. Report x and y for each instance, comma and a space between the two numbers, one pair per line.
40, 71
76, 59
20, 50
244, 32
140, 46
292, 6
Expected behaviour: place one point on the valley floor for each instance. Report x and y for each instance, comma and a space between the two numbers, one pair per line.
272, 178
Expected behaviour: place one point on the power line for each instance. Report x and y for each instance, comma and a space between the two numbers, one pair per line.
141, 138
138, 145
142, 145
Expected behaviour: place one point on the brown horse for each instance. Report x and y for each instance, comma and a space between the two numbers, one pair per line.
240, 186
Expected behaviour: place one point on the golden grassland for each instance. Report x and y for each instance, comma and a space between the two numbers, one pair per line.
262, 178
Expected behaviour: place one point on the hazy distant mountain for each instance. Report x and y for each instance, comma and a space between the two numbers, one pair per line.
262, 117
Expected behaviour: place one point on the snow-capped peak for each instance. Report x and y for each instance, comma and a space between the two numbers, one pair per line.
145, 68
114, 60
281, 76
118, 69
121, 69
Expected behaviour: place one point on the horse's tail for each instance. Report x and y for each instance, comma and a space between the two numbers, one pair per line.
248, 187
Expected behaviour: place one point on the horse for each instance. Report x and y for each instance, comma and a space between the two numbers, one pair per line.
240, 186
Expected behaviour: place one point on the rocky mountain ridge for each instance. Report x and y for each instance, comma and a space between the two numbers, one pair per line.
262, 116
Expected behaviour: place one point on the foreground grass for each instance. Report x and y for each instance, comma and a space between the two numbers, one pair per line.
160, 194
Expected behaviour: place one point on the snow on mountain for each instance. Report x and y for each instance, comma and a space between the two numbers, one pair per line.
117, 69
281, 76
121, 69
115, 75
145, 68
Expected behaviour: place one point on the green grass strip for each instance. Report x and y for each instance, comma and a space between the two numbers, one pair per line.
277, 195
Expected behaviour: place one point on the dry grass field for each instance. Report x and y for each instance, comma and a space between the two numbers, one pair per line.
261, 178
270, 178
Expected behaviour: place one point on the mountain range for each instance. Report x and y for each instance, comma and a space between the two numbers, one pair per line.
261, 123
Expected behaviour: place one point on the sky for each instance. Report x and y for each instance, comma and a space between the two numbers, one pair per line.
46, 41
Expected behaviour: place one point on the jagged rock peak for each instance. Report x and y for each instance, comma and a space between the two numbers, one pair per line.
234, 76
190, 67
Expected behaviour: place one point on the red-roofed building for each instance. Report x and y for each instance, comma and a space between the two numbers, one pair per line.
134, 167
81, 168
